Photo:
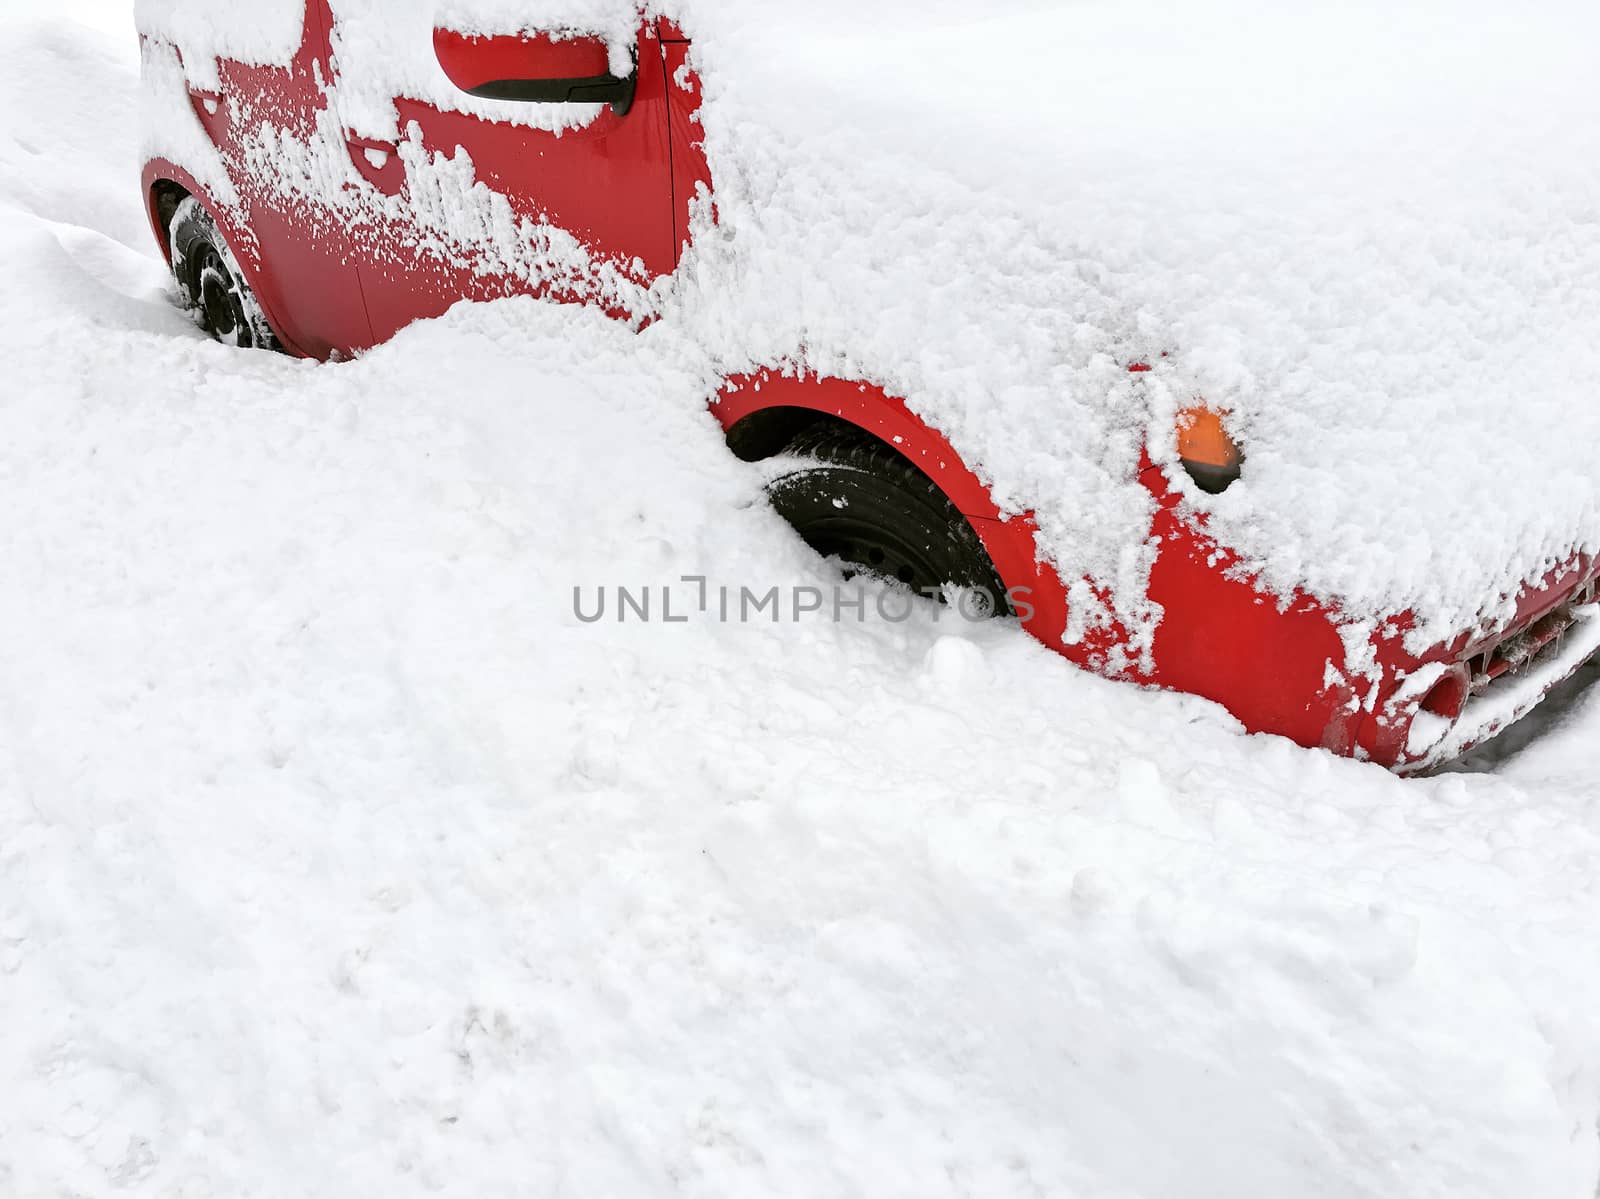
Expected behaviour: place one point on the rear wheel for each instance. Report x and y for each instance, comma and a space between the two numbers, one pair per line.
853, 498
210, 283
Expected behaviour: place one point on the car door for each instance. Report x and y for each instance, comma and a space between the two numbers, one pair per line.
476, 201
262, 115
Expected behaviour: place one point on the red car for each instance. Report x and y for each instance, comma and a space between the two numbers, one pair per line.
295, 220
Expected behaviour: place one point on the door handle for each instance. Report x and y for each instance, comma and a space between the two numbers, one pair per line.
378, 163
591, 89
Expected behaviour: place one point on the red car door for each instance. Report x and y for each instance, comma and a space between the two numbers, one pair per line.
478, 207
305, 268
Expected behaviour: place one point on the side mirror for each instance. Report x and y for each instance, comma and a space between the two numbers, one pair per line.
537, 68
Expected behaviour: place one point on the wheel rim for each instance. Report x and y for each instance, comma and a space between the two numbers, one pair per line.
874, 550
217, 296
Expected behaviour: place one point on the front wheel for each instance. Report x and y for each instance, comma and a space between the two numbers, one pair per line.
851, 497
210, 283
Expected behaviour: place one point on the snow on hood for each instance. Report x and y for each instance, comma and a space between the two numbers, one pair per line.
1369, 231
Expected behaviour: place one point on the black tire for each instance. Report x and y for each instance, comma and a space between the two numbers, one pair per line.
210, 284
851, 497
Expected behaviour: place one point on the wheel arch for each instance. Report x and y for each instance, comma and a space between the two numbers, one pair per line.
166, 185
162, 199
761, 412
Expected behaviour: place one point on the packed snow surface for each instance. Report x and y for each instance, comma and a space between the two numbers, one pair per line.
1370, 231
338, 856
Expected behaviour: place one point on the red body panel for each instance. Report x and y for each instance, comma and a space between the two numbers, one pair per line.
304, 271
1276, 665
341, 273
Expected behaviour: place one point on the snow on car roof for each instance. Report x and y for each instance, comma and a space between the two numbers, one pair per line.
1369, 231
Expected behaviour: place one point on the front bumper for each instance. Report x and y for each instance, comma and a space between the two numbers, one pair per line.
1464, 694
1434, 740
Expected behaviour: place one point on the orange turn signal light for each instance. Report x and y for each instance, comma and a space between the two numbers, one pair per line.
1211, 457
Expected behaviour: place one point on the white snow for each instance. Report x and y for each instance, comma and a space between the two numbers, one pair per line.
338, 856
261, 32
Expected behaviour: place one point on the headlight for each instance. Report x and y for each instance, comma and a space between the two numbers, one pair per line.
1207, 452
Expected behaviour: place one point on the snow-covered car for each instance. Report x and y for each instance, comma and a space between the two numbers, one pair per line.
1249, 362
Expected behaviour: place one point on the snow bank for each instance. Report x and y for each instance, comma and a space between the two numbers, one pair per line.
337, 853
50, 67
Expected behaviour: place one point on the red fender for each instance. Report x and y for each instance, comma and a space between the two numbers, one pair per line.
1277, 666
244, 247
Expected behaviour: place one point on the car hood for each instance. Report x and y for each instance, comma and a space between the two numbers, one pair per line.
1370, 232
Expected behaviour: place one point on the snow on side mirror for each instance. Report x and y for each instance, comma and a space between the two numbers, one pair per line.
535, 68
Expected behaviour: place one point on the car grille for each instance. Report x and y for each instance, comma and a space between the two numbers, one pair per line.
1526, 648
